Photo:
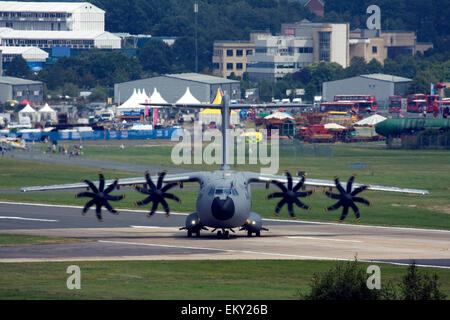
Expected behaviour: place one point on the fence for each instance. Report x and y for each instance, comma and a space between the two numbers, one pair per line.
305, 149
97, 135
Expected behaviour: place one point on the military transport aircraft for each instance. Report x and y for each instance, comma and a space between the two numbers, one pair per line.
224, 196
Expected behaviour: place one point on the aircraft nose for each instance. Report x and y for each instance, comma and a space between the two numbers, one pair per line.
222, 209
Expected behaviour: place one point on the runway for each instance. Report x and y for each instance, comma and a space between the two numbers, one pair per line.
133, 236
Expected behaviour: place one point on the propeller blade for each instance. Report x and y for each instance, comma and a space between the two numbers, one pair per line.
350, 183
344, 213
101, 185
335, 206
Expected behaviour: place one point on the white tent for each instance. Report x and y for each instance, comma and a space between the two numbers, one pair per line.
29, 112
134, 101
279, 115
370, 121
129, 103
333, 126
46, 113
188, 98
156, 97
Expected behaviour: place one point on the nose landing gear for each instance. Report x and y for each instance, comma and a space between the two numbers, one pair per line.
223, 234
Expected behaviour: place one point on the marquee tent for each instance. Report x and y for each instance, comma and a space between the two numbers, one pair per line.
46, 113
29, 112
188, 98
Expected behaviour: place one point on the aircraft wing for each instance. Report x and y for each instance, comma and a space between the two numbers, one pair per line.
267, 178
182, 177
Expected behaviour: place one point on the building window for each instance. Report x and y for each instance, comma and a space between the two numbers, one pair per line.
305, 50
249, 52
324, 46
216, 66
238, 66
374, 49
239, 53
229, 53
229, 66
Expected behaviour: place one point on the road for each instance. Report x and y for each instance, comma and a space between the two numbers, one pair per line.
133, 236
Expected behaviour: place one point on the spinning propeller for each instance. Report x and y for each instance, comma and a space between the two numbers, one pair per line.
347, 198
290, 195
157, 193
100, 196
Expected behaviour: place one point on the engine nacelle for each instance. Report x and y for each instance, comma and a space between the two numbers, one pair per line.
193, 224
253, 224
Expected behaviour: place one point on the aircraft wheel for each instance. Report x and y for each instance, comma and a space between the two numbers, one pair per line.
249, 233
258, 233
226, 235
219, 234
197, 233
189, 234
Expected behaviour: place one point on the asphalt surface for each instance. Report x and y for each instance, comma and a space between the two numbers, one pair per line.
133, 236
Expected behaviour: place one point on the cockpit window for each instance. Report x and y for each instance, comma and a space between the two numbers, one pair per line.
226, 191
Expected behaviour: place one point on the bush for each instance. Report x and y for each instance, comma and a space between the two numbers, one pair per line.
418, 285
346, 281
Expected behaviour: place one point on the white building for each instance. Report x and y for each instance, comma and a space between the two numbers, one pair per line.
56, 16
49, 39
301, 44
31, 54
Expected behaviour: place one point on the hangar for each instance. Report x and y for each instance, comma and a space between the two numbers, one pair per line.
380, 85
173, 86
19, 89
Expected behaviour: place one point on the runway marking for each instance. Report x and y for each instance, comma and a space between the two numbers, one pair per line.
80, 207
270, 254
355, 225
325, 239
154, 227
223, 250
30, 219
264, 219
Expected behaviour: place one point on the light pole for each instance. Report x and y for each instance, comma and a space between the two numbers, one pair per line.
196, 45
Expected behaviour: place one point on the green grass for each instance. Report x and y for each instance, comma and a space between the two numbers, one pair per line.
15, 174
242, 279
8, 240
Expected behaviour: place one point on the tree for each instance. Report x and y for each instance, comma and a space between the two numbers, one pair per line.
374, 66
418, 285
156, 56
421, 82
18, 67
357, 67
99, 94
